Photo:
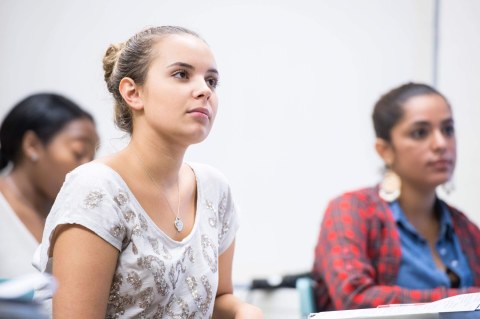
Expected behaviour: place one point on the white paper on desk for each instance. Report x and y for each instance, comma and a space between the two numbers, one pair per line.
370, 313
465, 302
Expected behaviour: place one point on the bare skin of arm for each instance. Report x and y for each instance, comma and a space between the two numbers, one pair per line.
226, 304
84, 273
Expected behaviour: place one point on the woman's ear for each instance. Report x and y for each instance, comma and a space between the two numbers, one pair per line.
131, 93
385, 151
32, 147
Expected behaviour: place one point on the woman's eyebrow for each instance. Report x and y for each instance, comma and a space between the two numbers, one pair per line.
182, 64
191, 67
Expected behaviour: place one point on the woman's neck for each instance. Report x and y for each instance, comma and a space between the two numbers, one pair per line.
161, 161
26, 201
19, 183
417, 204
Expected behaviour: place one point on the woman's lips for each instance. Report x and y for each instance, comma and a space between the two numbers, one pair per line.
441, 165
200, 112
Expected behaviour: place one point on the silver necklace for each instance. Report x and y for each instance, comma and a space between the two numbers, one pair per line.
178, 223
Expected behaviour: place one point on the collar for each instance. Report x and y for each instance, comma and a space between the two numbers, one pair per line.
446, 224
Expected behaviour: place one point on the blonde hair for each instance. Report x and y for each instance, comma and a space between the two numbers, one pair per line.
132, 59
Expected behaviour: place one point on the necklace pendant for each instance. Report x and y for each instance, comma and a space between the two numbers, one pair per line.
178, 224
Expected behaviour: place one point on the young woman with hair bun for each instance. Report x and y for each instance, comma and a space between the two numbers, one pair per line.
141, 233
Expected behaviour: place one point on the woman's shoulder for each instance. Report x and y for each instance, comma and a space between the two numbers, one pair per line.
94, 174
93, 167
205, 172
364, 202
365, 195
458, 216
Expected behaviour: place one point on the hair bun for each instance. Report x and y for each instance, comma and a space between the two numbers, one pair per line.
109, 61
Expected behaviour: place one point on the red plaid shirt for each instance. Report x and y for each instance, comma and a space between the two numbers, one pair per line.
357, 257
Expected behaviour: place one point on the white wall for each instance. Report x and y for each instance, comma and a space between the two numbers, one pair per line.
298, 82
459, 79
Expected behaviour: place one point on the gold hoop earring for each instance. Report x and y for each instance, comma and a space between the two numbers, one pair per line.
390, 186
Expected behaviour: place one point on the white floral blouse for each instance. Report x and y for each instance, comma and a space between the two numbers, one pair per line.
156, 277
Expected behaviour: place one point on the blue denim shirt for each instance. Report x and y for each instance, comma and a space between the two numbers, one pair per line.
417, 267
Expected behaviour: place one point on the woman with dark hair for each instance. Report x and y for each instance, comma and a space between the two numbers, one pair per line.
43, 137
398, 242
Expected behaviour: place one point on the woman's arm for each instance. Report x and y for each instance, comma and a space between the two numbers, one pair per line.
226, 304
84, 265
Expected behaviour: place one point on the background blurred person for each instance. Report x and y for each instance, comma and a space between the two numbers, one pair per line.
42, 138
398, 242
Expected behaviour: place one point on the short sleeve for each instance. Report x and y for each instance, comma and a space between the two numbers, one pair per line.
228, 221
215, 193
92, 196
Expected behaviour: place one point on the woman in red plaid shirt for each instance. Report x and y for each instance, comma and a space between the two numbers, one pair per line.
398, 242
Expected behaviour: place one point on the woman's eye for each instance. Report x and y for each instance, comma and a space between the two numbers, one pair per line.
212, 82
419, 133
449, 130
78, 155
181, 74
81, 153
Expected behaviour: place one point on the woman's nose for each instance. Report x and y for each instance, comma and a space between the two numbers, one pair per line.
439, 140
202, 90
